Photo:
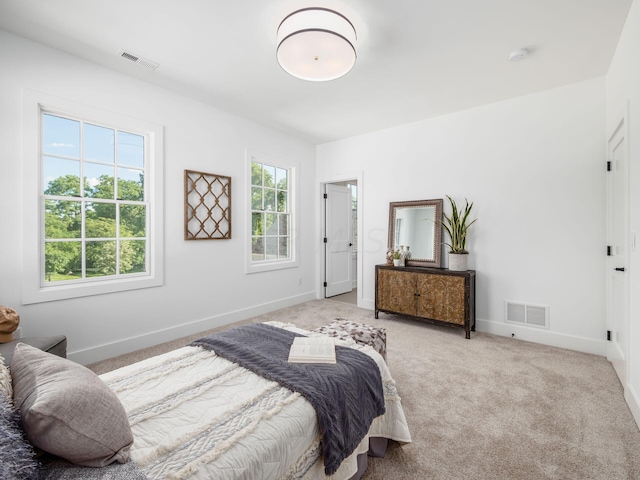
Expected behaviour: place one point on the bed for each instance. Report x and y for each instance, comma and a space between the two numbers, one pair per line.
195, 415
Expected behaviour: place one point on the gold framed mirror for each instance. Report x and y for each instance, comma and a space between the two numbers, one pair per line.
417, 224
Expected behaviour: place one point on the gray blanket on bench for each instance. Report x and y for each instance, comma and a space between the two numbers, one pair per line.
347, 396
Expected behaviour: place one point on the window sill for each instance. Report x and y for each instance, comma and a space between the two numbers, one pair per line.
52, 293
270, 266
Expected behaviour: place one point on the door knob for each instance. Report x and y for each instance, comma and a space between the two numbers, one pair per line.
620, 269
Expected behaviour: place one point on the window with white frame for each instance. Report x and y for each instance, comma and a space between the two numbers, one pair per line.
94, 202
99, 227
272, 203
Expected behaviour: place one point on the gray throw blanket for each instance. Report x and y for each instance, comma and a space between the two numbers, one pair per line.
347, 396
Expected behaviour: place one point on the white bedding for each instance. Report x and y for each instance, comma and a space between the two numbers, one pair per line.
197, 416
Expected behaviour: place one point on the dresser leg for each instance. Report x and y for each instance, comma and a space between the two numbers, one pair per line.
376, 313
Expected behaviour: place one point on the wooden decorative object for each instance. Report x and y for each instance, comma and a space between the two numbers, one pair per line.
418, 222
207, 206
431, 294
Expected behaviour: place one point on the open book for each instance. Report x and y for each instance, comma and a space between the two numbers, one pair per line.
313, 350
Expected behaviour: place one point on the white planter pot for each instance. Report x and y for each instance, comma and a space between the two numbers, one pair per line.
397, 262
458, 262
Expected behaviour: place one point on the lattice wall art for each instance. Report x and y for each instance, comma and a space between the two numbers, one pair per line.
207, 206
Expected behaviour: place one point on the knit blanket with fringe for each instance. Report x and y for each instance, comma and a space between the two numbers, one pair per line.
346, 396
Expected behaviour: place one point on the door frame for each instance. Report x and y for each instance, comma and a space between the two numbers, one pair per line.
338, 276
321, 262
621, 125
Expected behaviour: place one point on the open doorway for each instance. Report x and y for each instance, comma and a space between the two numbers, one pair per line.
341, 241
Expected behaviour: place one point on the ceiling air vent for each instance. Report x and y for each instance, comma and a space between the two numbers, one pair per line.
140, 61
526, 314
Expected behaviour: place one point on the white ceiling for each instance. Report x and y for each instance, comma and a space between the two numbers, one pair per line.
416, 58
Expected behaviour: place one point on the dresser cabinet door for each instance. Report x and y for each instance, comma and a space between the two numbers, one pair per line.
396, 291
441, 297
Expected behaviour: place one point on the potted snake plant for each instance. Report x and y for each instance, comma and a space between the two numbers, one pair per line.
457, 225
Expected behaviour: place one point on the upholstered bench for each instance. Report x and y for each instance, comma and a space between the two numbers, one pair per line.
56, 345
343, 329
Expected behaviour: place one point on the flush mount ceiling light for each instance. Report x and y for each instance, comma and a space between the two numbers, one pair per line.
316, 44
518, 54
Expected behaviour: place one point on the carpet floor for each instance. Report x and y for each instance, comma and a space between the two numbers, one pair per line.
486, 408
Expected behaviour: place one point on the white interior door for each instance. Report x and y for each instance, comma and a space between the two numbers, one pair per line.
617, 255
338, 235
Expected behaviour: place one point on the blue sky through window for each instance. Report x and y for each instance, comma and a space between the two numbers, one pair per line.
62, 138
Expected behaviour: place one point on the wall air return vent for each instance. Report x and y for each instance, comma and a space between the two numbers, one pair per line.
526, 314
139, 60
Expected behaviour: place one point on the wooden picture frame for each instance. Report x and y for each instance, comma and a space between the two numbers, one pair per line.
429, 228
207, 206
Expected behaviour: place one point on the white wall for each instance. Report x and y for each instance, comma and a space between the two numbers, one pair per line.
205, 284
623, 88
534, 166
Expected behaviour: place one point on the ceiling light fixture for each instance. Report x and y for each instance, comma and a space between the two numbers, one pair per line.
518, 54
316, 44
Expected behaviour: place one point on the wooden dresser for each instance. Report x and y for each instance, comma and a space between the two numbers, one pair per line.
434, 295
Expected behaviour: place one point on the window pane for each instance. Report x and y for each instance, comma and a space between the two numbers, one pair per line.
272, 223
284, 225
257, 248
98, 180
98, 143
62, 261
100, 220
283, 243
269, 176
101, 258
133, 220
130, 184
282, 201
271, 245
257, 224
132, 256
62, 219
256, 198
94, 215
271, 217
60, 136
256, 173
61, 177
269, 199
130, 149
281, 178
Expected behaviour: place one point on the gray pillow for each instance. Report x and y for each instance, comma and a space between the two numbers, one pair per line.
67, 410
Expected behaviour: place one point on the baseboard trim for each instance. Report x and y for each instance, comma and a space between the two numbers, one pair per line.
543, 336
367, 304
131, 344
633, 400
529, 334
